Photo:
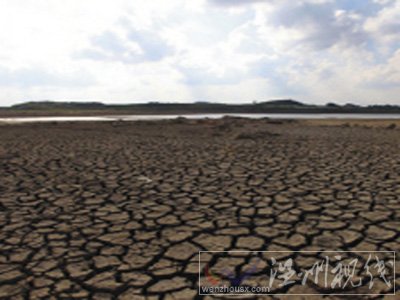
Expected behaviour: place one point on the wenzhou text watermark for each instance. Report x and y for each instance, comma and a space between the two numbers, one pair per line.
297, 272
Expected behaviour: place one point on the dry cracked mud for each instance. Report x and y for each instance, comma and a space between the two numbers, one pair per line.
119, 210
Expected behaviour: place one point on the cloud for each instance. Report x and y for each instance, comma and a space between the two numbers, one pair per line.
132, 46
200, 76
36, 77
277, 74
153, 47
235, 2
225, 50
109, 42
319, 25
386, 24
383, 76
383, 2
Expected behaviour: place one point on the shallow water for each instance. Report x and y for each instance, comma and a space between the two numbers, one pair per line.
197, 116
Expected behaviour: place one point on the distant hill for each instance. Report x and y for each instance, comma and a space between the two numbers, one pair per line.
273, 106
282, 103
59, 105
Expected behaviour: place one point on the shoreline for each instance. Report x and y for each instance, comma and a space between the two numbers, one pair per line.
392, 124
326, 118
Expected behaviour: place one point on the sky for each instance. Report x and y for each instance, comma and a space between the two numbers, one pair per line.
232, 51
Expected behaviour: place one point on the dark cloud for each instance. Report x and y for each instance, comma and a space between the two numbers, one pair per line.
363, 7
322, 24
390, 27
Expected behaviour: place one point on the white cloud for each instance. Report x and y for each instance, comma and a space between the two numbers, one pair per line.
386, 24
32, 77
386, 75
235, 2
217, 50
134, 46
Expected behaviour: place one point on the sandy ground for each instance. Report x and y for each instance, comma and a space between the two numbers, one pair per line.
120, 210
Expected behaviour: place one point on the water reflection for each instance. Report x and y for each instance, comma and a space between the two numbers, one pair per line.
197, 116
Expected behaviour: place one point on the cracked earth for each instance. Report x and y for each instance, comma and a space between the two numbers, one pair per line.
119, 210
